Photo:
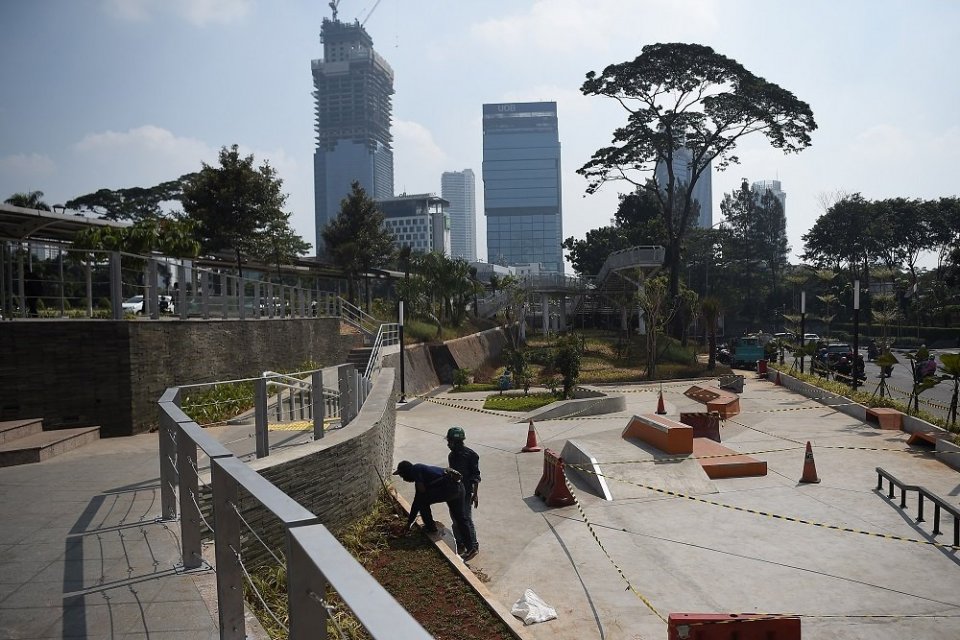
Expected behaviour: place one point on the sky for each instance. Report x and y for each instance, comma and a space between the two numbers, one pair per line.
123, 93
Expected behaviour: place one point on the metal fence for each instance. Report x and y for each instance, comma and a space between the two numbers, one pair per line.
315, 561
40, 279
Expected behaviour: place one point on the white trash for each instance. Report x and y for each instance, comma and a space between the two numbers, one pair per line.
531, 609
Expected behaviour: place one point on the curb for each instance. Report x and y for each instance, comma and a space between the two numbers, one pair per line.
516, 627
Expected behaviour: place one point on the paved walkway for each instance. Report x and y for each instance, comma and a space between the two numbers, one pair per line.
82, 556
689, 554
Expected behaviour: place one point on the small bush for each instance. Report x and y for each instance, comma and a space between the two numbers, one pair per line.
461, 377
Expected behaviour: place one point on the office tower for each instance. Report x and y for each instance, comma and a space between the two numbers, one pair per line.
418, 221
521, 184
773, 186
352, 89
682, 172
459, 189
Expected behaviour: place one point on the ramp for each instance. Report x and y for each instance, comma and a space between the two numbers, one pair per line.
627, 463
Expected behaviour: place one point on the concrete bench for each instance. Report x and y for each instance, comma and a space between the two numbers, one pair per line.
664, 434
885, 418
723, 402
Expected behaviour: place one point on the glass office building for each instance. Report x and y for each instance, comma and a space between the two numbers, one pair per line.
352, 89
683, 172
459, 189
521, 184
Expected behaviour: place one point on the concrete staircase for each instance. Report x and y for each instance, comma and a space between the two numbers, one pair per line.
25, 441
359, 357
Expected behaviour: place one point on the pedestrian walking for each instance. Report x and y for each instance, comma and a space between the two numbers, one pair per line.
434, 485
466, 461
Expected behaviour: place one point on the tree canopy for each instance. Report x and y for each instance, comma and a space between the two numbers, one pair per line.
687, 96
356, 239
238, 209
131, 203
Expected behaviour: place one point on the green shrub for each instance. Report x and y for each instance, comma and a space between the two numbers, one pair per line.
511, 402
461, 377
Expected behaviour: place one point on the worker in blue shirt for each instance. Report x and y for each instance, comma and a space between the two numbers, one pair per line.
433, 485
467, 462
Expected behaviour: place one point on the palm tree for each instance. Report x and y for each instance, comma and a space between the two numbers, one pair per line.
28, 200
710, 310
950, 366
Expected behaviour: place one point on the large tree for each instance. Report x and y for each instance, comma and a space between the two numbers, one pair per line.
637, 221
687, 97
235, 206
132, 203
357, 240
28, 200
758, 233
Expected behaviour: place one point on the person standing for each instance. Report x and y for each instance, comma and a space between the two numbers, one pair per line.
433, 485
466, 461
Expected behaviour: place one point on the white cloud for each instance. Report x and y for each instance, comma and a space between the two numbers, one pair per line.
418, 159
25, 167
577, 28
197, 12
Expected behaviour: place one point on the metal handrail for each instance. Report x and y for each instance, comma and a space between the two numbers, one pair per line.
639, 256
357, 317
387, 335
938, 502
316, 558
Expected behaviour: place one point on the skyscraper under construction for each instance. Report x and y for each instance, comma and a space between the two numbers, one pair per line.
352, 88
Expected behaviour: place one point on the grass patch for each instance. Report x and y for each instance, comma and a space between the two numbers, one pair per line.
475, 386
512, 402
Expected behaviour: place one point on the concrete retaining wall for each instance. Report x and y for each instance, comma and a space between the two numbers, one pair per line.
429, 366
947, 452
111, 373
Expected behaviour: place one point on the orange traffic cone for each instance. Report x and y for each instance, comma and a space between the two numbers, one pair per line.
661, 410
531, 440
809, 467
777, 381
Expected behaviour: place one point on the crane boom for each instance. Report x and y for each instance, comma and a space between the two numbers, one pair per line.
369, 13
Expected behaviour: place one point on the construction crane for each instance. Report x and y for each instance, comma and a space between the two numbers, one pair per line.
333, 4
369, 13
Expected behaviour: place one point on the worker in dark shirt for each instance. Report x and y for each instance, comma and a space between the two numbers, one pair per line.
467, 462
433, 485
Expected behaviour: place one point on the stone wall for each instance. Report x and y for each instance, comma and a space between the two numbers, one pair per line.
111, 373
338, 478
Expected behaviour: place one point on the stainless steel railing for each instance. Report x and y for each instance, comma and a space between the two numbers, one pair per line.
315, 559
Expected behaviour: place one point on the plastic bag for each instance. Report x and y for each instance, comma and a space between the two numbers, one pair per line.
531, 609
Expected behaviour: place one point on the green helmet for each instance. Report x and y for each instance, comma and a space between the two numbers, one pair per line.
456, 433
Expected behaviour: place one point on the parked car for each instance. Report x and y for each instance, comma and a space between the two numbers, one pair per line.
811, 337
136, 304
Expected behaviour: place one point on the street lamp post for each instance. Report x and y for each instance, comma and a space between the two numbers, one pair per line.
403, 389
803, 324
856, 332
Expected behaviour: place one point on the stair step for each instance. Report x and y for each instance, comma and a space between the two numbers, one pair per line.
43, 446
14, 429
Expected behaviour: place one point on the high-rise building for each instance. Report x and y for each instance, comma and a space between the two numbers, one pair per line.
352, 89
459, 189
419, 221
521, 184
773, 186
683, 172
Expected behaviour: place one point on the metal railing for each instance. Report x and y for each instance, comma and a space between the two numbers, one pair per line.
315, 560
41, 279
639, 256
387, 335
357, 317
939, 504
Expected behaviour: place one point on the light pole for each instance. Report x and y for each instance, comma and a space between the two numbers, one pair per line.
856, 332
803, 324
403, 389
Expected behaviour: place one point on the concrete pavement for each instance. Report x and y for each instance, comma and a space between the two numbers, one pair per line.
697, 553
